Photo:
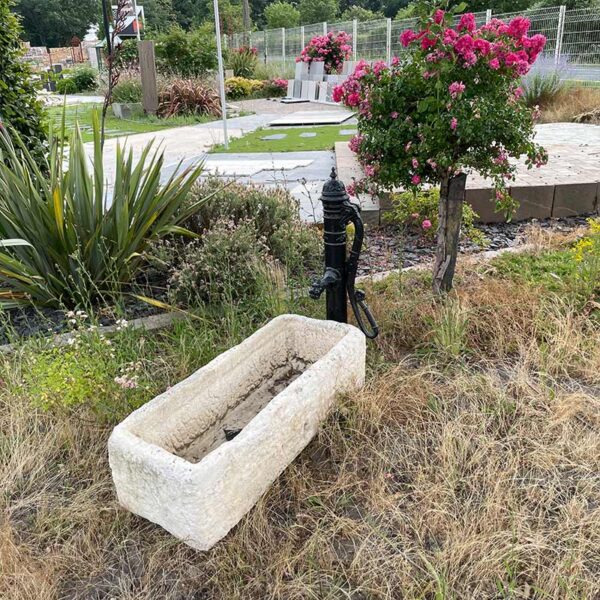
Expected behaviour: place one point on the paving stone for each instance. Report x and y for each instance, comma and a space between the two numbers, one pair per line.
313, 118
308, 134
535, 201
275, 136
348, 131
574, 199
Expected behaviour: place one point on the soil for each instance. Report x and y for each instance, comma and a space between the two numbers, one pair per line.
389, 247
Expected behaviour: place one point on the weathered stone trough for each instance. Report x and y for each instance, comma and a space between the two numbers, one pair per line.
198, 457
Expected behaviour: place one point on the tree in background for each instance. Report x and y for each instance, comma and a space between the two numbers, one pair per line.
281, 14
19, 107
360, 14
316, 11
160, 14
54, 23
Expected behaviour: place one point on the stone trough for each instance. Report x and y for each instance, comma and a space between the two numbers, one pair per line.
197, 458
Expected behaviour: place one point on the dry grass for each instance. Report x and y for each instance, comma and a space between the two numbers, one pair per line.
469, 474
571, 102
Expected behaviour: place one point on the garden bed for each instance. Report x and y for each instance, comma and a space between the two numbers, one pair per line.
474, 445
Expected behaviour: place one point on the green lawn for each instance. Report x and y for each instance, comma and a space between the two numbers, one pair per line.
325, 139
82, 114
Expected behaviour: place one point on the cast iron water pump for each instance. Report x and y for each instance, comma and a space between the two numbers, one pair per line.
340, 269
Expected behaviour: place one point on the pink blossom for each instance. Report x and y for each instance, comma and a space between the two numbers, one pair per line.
432, 163
351, 189
438, 16
494, 64
450, 36
395, 61
426, 224
456, 88
415, 215
518, 27
416, 180
394, 115
518, 92
467, 21
464, 46
453, 123
428, 42
338, 93
407, 36
369, 170
415, 163
353, 99
482, 46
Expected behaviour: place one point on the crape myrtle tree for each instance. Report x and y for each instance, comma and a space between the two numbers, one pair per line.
451, 104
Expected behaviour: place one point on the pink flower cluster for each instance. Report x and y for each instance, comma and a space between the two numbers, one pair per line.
456, 89
501, 45
332, 49
280, 83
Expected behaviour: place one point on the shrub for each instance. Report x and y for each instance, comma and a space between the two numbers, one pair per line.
332, 49
419, 211
224, 266
188, 54
275, 88
127, 91
61, 245
452, 103
19, 106
240, 87
541, 88
281, 14
241, 228
66, 86
85, 78
243, 61
188, 97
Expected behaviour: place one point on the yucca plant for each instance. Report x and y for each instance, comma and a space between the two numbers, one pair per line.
68, 238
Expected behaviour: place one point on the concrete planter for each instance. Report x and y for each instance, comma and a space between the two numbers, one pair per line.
179, 461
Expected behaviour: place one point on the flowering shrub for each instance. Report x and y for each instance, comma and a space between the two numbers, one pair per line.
419, 212
240, 87
332, 49
275, 87
452, 103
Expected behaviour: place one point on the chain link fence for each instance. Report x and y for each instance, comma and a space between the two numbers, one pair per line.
572, 47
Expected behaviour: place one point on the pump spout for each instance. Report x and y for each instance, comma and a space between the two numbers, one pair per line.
330, 280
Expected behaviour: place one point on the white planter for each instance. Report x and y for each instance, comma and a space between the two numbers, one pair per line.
170, 460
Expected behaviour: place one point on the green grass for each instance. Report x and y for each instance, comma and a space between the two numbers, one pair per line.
82, 114
553, 268
325, 139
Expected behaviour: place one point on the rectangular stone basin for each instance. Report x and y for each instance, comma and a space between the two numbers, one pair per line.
197, 458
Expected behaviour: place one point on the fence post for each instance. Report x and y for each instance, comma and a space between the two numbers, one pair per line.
250, 39
559, 34
488, 15
302, 36
354, 38
388, 41
283, 45
266, 46
324, 27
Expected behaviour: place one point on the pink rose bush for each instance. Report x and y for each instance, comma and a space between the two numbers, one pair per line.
332, 49
450, 103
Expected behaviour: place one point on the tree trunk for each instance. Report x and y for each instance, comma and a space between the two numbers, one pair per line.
246, 21
452, 196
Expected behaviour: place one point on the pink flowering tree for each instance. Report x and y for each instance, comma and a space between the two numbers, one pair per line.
332, 49
450, 105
